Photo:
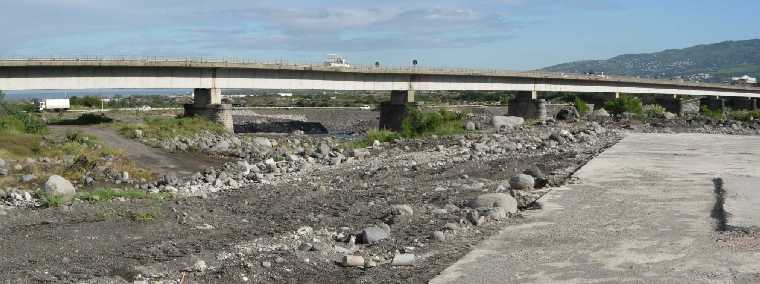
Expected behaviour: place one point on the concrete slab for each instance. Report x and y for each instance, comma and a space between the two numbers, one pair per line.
642, 213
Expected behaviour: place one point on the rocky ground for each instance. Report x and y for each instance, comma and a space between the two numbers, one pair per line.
300, 208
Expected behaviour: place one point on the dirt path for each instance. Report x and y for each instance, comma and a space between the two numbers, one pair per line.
145, 156
643, 213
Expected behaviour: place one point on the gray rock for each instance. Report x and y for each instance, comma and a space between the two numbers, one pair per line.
404, 259
669, 115
507, 122
220, 147
324, 149
262, 141
496, 213
266, 264
3, 164
568, 113
600, 114
3, 172
125, 176
439, 236
199, 266
403, 210
138, 133
359, 153
373, 235
27, 178
305, 247
470, 126
493, 200
58, 185
522, 182
352, 261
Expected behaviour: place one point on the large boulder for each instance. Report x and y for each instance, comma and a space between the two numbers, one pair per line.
373, 235
600, 114
507, 122
495, 200
57, 185
568, 113
522, 182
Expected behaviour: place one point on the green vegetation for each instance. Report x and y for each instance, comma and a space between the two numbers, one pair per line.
169, 128
714, 114
744, 115
629, 104
581, 106
653, 110
85, 102
418, 123
108, 194
143, 217
50, 200
379, 135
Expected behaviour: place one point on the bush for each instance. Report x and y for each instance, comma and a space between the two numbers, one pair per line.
624, 104
654, 110
714, 114
744, 115
443, 122
581, 106
14, 119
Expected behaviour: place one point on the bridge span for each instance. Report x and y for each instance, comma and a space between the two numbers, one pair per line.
207, 77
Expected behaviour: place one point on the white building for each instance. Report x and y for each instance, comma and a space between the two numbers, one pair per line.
744, 80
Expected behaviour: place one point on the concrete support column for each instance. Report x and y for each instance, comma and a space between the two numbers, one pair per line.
392, 113
528, 106
208, 103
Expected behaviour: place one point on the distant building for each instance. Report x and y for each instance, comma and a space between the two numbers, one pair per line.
744, 80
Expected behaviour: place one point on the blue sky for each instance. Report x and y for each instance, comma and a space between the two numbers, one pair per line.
505, 34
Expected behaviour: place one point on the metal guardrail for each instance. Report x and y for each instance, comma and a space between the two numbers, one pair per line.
284, 64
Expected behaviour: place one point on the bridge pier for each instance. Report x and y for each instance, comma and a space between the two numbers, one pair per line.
392, 113
715, 103
527, 106
208, 103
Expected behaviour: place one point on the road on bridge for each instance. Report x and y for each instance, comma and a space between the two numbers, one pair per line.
642, 212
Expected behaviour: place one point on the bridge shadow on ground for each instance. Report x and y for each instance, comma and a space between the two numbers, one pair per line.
281, 127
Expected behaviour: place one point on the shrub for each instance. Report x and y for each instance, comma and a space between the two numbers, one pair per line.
654, 110
745, 115
48, 200
714, 114
418, 123
581, 106
15, 119
624, 104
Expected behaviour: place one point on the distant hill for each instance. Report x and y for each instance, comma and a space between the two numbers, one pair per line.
709, 63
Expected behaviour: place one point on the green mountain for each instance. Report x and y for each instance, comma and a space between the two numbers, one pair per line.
710, 63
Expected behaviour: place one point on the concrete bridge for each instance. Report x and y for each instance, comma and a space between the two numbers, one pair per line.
208, 77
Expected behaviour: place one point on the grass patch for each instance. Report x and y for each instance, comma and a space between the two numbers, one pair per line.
142, 216
629, 104
653, 110
372, 135
168, 128
48, 200
108, 194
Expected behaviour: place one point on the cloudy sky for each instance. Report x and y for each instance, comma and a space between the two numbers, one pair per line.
508, 34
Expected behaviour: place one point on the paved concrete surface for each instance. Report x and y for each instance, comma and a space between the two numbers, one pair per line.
640, 214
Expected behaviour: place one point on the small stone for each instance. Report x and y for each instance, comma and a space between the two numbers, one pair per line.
506, 122
496, 213
305, 230
3, 172
27, 178
266, 264
352, 261
404, 259
279, 260
469, 126
125, 176
494, 200
403, 210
